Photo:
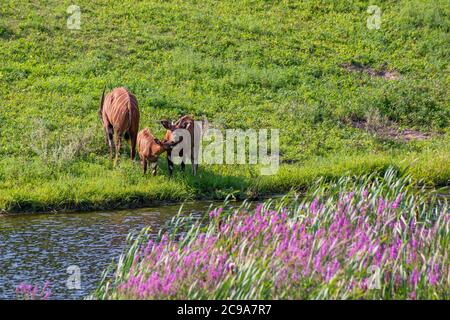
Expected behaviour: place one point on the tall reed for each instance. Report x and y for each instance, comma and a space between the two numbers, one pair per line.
371, 238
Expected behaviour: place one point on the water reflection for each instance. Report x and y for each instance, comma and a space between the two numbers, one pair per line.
36, 248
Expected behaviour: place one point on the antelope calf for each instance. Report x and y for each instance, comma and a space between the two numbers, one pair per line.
150, 148
119, 114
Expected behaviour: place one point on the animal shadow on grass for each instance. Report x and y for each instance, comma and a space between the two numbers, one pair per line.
208, 183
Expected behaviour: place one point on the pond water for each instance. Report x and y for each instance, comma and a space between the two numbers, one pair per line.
39, 247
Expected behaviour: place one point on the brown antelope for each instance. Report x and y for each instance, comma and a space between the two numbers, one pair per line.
150, 148
119, 114
187, 123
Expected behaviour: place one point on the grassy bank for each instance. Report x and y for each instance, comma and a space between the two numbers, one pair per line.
30, 186
355, 239
347, 99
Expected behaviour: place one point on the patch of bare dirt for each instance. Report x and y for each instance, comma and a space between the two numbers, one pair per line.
389, 130
385, 74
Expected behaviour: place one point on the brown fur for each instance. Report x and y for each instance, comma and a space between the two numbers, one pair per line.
185, 122
119, 114
149, 149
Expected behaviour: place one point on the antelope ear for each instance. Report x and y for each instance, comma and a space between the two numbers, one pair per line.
166, 124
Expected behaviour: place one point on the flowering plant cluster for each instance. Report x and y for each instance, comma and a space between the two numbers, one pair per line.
349, 245
26, 291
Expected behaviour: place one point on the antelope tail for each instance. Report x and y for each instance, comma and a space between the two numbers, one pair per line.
102, 100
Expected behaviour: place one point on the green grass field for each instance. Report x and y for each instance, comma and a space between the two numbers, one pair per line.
309, 68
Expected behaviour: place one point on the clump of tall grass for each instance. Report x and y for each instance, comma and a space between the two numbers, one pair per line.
60, 150
379, 240
388, 185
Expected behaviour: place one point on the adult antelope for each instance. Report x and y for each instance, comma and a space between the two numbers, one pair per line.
119, 114
187, 123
